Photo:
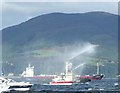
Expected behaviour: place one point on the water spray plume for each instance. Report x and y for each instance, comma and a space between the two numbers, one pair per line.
78, 66
89, 48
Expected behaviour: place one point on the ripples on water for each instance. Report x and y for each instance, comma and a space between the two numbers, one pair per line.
105, 84
95, 85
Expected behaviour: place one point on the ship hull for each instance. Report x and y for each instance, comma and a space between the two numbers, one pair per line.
94, 77
61, 83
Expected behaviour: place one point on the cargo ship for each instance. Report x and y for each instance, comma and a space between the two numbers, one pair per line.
65, 78
96, 76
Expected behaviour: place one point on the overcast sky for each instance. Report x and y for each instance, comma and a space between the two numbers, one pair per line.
16, 12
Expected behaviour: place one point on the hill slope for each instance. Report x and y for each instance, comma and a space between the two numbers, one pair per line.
58, 29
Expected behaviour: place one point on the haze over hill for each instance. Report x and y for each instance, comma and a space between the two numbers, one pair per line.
45, 36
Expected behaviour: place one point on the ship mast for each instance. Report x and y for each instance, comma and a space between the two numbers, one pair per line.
68, 70
98, 69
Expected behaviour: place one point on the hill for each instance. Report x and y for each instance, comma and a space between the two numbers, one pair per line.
43, 36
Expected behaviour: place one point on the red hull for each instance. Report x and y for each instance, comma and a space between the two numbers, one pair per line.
94, 77
62, 83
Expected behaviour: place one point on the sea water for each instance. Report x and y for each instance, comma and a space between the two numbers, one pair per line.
106, 84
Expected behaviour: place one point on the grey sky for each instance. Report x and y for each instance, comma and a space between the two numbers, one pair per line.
16, 12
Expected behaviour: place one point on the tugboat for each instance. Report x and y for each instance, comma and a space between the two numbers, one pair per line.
67, 77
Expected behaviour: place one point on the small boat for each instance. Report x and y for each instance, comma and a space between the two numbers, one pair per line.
3, 85
19, 86
97, 76
11, 85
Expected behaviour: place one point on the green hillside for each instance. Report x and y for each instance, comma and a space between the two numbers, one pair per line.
50, 39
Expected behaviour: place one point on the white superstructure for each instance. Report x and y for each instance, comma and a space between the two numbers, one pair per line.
3, 85
68, 72
9, 84
65, 78
29, 72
